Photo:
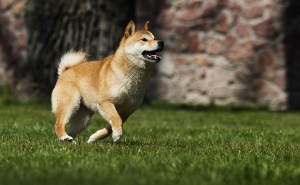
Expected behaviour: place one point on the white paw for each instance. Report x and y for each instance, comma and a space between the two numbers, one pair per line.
90, 140
67, 138
116, 138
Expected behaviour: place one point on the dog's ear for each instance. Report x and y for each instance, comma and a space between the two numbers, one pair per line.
147, 26
130, 29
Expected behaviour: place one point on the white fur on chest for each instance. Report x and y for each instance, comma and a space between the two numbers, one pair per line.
129, 90
131, 87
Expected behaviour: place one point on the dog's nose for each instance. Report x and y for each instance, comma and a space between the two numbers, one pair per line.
160, 43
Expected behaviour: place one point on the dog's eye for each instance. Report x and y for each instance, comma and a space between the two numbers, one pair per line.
144, 39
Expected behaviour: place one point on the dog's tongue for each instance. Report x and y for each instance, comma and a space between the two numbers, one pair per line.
156, 56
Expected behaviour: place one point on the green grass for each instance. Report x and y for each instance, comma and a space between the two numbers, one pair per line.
166, 145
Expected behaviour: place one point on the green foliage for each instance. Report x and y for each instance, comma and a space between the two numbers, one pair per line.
159, 146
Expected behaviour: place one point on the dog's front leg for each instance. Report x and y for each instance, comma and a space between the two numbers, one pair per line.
109, 112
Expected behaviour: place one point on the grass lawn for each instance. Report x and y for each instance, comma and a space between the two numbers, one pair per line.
160, 146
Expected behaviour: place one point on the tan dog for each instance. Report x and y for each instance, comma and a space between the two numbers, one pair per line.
114, 87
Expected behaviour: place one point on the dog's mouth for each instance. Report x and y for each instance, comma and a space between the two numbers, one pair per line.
151, 55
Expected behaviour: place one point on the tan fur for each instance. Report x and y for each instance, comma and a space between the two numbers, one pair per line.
71, 59
113, 87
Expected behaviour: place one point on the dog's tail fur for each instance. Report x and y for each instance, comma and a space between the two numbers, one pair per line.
71, 59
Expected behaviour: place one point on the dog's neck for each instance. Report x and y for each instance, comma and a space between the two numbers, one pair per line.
129, 72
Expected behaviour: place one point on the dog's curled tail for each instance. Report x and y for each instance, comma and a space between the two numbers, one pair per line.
71, 59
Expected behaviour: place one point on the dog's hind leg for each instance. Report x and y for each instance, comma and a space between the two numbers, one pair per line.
79, 121
65, 102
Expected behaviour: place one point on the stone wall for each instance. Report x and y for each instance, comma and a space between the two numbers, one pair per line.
221, 51
12, 38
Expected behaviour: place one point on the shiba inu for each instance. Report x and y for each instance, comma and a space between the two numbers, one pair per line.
114, 87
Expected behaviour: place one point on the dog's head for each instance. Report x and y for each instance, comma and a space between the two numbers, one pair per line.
141, 44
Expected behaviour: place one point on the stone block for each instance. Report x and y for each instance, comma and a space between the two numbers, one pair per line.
266, 64
195, 98
217, 74
204, 25
199, 86
230, 39
181, 60
263, 89
177, 91
220, 92
262, 44
248, 65
279, 103
193, 43
215, 47
190, 12
231, 78
265, 28
208, 9
202, 73
162, 86
253, 12
221, 61
281, 79
242, 93
242, 29
222, 23
243, 76
202, 60
186, 75
241, 50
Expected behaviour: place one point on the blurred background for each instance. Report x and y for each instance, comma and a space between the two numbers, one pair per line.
226, 52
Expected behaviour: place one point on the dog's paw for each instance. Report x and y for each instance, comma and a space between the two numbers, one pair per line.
90, 140
67, 138
116, 138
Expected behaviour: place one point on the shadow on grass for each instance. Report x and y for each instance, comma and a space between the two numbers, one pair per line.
211, 107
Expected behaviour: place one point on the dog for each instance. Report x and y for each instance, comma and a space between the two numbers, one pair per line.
114, 87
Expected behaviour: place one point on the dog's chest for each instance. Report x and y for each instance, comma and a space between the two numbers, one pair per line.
129, 94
